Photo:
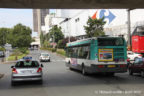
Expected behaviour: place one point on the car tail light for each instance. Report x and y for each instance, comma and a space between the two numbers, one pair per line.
122, 66
140, 55
39, 69
101, 66
14, 71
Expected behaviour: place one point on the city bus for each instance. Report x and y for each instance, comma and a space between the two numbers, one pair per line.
106, 55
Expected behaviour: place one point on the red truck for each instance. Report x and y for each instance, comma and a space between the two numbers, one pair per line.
138, 40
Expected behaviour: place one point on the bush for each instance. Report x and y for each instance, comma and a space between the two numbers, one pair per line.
2, 49
60, 44
61, 51
16, 52
54, 49
23, 50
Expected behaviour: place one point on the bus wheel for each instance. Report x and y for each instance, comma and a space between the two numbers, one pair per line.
83, 70
70, 68
110, 74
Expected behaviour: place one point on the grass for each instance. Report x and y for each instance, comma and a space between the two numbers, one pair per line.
61, 52
20, 56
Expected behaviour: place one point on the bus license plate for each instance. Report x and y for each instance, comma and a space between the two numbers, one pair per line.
111, 66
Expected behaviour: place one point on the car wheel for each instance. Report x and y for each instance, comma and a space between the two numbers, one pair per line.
49, 60
83, 70
40, 82
13, 83
130, 72
142, 73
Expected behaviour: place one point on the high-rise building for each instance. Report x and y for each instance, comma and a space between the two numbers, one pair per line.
39, 19
43, 12
35, 20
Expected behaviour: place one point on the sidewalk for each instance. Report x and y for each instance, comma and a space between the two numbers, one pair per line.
8, 62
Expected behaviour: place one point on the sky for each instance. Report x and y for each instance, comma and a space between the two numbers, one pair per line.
11, 17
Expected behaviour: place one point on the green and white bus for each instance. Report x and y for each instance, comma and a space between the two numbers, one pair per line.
98, 55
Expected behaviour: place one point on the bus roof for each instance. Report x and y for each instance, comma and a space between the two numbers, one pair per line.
85, 41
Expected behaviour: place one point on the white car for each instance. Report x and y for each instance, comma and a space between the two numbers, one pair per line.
44, 57
132, 56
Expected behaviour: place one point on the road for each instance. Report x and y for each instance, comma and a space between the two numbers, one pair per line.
58, 80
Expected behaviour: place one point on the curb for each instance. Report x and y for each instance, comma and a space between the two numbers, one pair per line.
9, 62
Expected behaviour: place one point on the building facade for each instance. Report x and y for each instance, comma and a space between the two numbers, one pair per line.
116, 20
39, 19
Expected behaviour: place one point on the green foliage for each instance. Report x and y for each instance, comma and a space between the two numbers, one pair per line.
18, 36
4, 35
60, 44
94, 27
54, 49
61, 52
56, 33
23, 50
46, 44
42, 38
2, 49
21, 35
16, 52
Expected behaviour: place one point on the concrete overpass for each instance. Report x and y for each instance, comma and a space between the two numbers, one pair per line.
72, 4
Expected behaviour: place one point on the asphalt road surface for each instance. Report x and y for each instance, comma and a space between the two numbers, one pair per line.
58, 80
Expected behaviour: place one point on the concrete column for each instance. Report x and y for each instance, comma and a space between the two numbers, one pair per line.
129, 29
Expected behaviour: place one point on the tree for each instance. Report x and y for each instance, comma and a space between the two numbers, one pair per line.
42, 38
94, 27
21, 36
56, 33
4, 34
62, 43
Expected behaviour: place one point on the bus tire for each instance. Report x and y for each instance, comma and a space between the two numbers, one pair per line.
83, 70
70, 68
111, 74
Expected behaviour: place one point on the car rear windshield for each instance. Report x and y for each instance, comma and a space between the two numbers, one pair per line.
45, 54
22, 64
139, 60
110, 41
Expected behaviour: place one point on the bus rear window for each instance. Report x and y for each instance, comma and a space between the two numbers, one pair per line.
110, 41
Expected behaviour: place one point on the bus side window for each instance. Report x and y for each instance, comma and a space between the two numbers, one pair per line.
83, 52
80, 53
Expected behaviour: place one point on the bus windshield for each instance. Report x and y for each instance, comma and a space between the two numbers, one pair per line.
110, 41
